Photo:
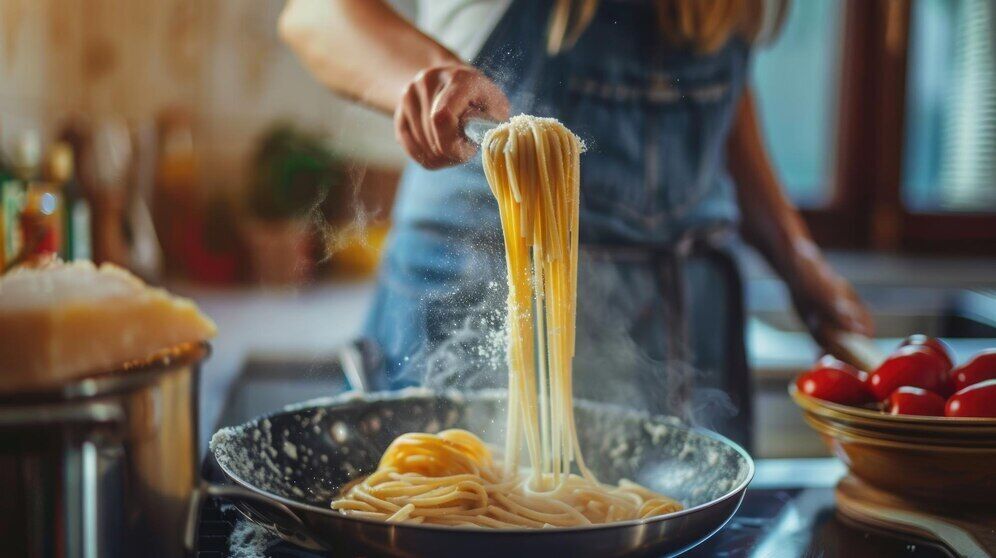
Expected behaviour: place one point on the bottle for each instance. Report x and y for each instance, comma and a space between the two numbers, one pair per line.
41, 214
59, 168
6, 174
24, 167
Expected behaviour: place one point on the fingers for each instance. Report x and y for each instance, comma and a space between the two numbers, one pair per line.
432, 108
410, 130
427, 89
452, 104
833, 310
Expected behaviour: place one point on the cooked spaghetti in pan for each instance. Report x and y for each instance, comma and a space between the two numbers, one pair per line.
452, 478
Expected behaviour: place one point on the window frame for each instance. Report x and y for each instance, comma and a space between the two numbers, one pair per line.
866, 210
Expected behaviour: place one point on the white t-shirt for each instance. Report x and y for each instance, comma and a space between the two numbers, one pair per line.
464, 25
460, 25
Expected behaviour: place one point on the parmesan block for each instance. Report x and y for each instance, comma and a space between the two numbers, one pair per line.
64, 321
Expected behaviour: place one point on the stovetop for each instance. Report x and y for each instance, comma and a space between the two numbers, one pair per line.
770, 523
784, 513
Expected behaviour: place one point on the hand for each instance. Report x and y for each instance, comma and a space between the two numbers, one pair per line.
433, 107
825, 301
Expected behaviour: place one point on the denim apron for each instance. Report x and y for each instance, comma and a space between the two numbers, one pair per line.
658, 302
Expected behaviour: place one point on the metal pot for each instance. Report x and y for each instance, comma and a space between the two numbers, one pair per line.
103, 466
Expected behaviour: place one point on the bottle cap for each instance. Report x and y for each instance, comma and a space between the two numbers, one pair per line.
27, 154
59, 164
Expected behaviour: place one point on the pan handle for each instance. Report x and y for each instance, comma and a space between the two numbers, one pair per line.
299, 533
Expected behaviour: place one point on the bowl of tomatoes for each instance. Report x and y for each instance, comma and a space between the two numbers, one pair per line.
920, 424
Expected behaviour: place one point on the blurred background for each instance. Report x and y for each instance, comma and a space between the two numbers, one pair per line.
182, 139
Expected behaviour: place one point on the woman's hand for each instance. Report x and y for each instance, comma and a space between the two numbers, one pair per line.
825, 301
428, 119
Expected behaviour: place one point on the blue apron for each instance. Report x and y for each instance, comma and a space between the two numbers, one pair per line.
654, 312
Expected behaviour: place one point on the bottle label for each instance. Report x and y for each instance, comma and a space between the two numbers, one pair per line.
11, 205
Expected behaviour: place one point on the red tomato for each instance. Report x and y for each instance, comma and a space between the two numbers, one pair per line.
915, 401
913, 365
979, 368
834, 381
978, 400
932, 343
830, 361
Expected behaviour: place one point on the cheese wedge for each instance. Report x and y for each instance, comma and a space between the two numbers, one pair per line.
64, 321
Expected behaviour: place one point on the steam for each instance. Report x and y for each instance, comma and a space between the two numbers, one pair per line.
621, 358
337, 237
466, 328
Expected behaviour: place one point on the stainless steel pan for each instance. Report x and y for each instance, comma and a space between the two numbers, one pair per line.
285, 468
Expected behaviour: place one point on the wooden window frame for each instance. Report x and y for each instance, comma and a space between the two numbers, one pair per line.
866, 210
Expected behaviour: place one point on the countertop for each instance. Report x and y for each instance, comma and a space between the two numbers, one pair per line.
307, 323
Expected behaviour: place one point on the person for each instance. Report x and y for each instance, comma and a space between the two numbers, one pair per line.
675, 159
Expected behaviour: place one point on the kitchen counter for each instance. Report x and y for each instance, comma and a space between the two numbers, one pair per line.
788, 511
304, 325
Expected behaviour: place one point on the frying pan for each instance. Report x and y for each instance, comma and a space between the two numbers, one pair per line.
285, 468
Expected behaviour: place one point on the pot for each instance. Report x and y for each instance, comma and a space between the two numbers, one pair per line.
104, 466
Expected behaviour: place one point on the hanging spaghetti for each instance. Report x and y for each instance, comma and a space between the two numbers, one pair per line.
532, 165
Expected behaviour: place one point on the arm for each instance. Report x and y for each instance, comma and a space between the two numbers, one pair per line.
364, 50
824, 300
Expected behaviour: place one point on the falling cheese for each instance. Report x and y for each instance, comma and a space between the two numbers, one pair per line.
64, 321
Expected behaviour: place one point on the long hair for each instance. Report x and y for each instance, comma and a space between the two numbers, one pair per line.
701, 25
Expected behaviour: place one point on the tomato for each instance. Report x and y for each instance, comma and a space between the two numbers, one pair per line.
909, 400
977, 400
830, 361
915, 366
979, 368
835, 381
934, 344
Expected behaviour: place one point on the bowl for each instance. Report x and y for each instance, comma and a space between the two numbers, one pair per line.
940, 459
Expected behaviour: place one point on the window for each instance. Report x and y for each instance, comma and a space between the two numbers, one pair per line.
881, 121
950, 152
795, 80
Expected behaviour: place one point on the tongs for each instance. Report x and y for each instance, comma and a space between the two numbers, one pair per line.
475, 128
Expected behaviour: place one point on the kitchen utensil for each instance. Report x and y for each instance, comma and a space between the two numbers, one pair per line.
476, 128
921, 458
966, 532
286, 468
104, 466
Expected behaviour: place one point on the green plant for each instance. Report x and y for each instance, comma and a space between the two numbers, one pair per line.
293, 171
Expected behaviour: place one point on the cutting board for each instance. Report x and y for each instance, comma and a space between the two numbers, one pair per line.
964, 532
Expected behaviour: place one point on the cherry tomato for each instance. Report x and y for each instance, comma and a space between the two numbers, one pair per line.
978, 400
932, 343
835, 381
979, 368
830, 361
909, 400
913, 365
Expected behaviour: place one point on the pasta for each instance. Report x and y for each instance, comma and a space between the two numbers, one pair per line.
451, 478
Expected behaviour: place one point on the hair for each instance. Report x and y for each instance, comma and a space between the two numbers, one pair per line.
701, 25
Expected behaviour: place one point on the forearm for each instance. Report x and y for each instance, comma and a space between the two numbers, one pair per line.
769, 220
361, 49
826, 303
